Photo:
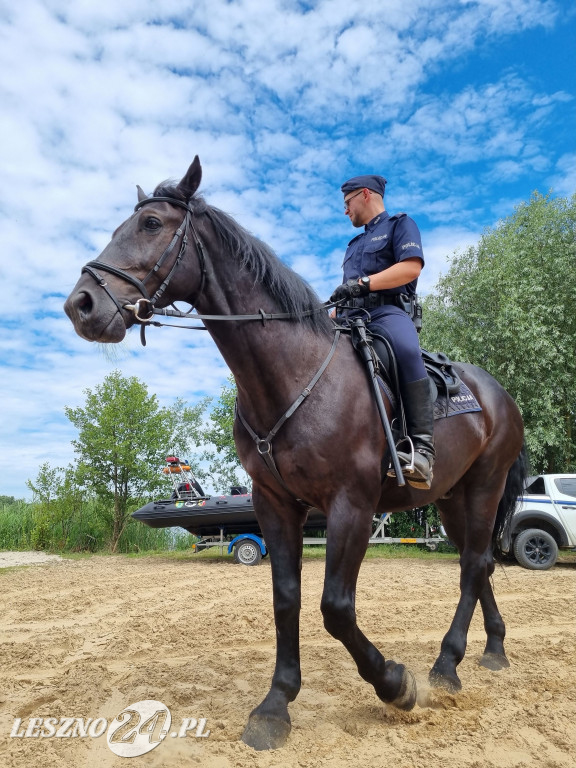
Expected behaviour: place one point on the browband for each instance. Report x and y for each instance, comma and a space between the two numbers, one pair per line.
171, 200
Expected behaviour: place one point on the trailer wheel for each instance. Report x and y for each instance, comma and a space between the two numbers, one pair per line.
247, 552
535, 549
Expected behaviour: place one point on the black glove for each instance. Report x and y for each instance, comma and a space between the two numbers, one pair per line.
351, 289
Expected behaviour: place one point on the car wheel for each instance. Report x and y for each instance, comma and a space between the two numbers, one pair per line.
247, 552
535, 549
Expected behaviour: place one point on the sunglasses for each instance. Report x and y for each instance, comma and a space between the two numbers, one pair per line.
347, 202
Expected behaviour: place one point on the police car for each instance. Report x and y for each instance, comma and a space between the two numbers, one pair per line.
544, 521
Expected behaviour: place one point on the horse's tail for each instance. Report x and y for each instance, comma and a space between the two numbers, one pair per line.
514, 488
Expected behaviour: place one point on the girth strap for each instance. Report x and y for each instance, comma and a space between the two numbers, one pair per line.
264, 444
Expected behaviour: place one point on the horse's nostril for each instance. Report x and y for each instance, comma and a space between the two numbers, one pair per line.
84, 303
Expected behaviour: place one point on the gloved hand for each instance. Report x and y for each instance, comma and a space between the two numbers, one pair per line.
351, 289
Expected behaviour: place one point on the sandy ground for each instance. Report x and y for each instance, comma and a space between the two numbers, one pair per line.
88, 638
10, 559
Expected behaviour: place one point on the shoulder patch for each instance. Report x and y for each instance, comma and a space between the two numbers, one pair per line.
398, 216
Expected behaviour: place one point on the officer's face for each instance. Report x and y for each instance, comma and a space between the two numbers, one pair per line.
354, 208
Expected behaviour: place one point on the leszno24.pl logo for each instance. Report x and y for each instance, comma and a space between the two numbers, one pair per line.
138, 729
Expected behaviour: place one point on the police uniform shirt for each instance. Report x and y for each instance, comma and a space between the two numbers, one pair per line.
386, 240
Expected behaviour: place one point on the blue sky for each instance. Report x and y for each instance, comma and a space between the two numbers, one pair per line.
465, 107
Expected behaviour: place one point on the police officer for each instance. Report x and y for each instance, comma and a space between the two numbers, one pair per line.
381, 263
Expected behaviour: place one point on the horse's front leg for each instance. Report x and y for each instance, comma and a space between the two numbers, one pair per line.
349, 529
281, 524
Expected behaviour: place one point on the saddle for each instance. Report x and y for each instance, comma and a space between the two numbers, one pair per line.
444, 378
449, 393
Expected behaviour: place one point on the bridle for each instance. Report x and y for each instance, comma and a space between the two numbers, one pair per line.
149, 302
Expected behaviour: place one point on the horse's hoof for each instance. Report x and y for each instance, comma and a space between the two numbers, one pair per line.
406, 699
264, 732
450, 683
494, 661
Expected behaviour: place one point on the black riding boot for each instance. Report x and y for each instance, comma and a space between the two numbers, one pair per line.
418, 407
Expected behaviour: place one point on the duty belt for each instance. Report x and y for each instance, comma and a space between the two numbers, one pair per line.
375, 299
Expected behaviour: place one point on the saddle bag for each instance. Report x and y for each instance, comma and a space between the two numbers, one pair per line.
441, 370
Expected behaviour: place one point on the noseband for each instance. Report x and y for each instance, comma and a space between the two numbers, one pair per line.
92, 267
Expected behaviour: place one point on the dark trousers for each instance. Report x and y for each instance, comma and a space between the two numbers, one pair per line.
397, 327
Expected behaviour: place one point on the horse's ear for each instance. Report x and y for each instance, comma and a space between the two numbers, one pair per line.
141, 194
192, 179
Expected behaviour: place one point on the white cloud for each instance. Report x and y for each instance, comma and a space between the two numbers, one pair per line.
358, 44
475, 123
563, 181
439, 246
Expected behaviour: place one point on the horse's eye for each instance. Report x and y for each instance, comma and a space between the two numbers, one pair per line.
152, 223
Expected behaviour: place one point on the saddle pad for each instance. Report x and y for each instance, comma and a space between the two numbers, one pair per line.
463, 402
444, 405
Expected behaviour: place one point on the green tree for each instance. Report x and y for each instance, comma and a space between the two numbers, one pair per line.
224, 465
507, 305
59, 499
124, 436
45, 490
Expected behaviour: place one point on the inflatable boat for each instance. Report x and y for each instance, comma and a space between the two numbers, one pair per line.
204, 515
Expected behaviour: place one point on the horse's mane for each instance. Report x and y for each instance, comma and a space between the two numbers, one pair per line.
290, 292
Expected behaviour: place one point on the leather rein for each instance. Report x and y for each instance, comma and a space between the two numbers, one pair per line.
263, 445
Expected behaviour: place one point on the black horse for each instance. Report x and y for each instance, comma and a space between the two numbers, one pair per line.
329, 453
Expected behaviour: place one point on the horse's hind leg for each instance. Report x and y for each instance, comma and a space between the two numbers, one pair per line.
476, 567
494, 656
268, 726
348, 533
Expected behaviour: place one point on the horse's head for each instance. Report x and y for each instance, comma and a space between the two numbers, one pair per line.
137, 264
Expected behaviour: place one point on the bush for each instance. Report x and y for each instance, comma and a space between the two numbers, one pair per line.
16, 524
412, 524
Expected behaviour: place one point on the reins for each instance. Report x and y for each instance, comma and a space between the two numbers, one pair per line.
260, 315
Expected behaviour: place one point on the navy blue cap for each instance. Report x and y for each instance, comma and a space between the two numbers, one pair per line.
375, 183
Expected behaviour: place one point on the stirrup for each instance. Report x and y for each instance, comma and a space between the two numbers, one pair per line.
407, 469
422, 481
